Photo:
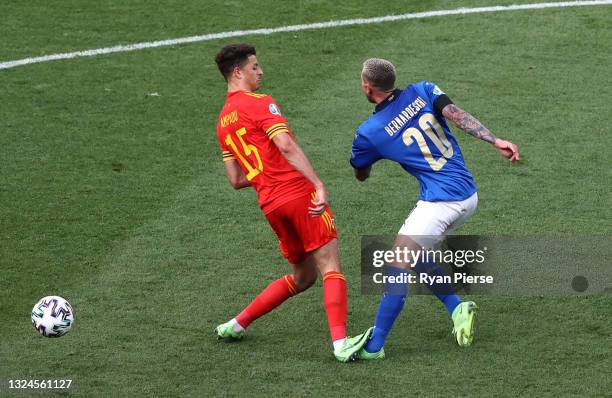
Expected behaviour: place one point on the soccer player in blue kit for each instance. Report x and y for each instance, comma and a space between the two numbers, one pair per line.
409, 127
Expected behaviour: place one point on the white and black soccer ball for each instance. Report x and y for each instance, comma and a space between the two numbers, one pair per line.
52, 316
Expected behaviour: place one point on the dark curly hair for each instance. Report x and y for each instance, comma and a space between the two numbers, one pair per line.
231, 56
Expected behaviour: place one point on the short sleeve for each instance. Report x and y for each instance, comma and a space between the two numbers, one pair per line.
269, 119
436, 96
226, 154
363, 153
433, 91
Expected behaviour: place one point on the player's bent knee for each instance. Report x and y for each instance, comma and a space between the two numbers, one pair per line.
327, 258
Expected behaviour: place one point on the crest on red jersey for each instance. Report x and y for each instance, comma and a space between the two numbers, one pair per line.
274, 109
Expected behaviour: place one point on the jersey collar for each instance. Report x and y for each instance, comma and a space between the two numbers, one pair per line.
230, 93
383, 104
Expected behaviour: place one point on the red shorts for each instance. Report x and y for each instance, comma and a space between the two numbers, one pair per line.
300, 233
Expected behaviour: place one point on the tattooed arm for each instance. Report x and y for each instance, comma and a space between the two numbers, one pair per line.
473, 127
467, 123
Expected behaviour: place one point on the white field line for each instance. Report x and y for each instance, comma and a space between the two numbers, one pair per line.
295, 28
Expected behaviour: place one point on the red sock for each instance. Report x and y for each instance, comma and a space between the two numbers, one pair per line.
334, 298
270, 298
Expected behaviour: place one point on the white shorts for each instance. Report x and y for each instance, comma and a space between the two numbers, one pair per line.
436, 219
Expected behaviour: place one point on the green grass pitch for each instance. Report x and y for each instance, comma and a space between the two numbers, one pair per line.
117, 200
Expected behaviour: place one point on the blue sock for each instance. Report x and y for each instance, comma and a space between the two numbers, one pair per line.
390, 306
445, 292
450, 301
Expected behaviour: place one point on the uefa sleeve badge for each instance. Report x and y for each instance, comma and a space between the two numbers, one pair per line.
274, 109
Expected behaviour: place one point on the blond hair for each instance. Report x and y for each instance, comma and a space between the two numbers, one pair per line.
380, 73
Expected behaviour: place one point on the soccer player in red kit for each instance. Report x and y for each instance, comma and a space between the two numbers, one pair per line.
259, 150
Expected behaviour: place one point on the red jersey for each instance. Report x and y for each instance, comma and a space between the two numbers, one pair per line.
247, 124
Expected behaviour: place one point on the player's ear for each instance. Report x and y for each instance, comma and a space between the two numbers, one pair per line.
367, 88
237, 72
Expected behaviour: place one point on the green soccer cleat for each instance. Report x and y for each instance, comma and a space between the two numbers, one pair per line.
353, 344
463, 320
363, 354
226, 331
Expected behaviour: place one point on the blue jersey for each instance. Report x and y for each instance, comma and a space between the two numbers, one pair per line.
407, 129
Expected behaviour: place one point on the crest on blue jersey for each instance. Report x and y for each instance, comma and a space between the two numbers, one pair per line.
274, 109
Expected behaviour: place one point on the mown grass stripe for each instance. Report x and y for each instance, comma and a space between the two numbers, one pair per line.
294, 28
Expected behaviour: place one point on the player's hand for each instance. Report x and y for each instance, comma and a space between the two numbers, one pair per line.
508, 150
319, 203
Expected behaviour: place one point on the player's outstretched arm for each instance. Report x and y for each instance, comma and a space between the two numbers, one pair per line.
473, 127
296, 158
235, 175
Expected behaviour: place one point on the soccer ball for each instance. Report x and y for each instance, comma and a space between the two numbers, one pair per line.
52, 316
